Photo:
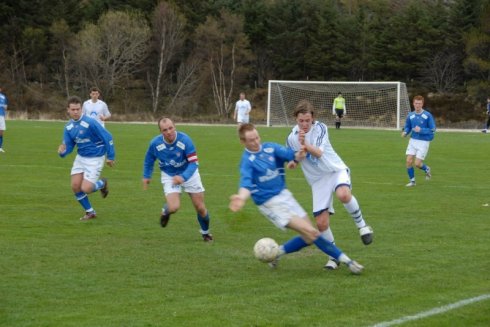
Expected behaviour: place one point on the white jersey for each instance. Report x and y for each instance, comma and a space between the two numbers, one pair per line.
315, 168
96, 109
242, 109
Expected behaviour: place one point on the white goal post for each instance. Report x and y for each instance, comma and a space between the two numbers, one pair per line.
368, 104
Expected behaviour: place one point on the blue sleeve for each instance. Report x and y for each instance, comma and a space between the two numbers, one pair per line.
70, 144
107, 138
149, 162
283, 153
191, 156
408, 126
246, 178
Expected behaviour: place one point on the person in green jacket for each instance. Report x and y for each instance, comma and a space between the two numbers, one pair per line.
338, 108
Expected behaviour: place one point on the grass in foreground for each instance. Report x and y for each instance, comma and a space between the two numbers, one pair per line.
122, 269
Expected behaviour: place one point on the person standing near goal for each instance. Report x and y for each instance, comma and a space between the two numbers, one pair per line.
262, 178
422, 126
339, 109
242, 110
326, 173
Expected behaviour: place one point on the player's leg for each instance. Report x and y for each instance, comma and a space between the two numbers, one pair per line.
309, 235
350, 203
81, 196
422, 150
202, 215
172, 198
322, 194
410, 170
2, 129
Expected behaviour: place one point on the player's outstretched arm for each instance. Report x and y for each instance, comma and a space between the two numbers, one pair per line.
237, 201
146, 182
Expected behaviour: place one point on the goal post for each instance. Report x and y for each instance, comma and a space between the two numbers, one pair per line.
368, 104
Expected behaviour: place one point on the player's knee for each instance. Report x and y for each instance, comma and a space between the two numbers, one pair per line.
344, 194
173, 208
322, 225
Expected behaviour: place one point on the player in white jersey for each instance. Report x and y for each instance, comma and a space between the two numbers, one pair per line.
326, 173
242, 110
96, 108
93, 144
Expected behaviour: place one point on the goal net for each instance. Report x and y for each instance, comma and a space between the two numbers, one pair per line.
368, 104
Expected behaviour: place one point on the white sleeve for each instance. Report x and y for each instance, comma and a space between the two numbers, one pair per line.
105, 110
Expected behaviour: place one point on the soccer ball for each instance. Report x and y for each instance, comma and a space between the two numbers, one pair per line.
266, 249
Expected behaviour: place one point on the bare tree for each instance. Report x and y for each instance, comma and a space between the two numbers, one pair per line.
224, 47
441, 72
62, 36
167, 40
187, 82
113, 49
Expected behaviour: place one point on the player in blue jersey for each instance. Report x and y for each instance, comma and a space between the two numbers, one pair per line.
262, 178
422, 126
178, 162
487, 125
3, 113
94, 143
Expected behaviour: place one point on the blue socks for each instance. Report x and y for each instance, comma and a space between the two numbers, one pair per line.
83, 199
294, 244
98, 185
1, 141
204, 222
297, 243
424, 167
328, 247
411, 173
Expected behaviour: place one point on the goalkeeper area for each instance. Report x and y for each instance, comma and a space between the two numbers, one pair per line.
368, 104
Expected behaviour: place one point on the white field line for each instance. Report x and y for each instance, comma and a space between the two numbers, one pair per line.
434, 311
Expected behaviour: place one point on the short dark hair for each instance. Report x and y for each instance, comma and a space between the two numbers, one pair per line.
304, 107
73, 100
94, 89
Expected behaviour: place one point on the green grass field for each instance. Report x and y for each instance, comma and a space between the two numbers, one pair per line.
431, 246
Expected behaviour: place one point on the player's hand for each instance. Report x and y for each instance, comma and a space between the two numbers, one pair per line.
301, 137
236, 203
404, 134
146, 182
62, 149
417, 129
292, 164
177, 180
110, 163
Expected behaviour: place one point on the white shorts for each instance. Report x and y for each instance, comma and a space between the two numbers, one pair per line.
243, 119
418, 148
90, 167
282, 208
192, 185
324, 189
3, 126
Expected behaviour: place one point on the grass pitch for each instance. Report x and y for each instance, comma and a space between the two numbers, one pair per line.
122, 269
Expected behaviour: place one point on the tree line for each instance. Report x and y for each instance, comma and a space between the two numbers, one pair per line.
191, 58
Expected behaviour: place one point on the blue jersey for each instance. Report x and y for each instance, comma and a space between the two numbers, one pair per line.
262, 172
3, 102
426, 123
177, 158
90, 137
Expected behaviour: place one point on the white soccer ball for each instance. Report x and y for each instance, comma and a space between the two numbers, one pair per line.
266, 249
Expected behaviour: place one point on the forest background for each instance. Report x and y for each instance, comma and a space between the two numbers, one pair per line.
190, 59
